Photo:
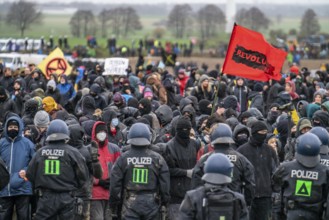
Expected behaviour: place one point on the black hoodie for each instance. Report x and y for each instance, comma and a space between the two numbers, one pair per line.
76, 141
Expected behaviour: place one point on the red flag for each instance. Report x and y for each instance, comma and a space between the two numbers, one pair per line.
250, 56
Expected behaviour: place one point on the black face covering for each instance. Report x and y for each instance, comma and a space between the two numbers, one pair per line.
2, 99
272, 116
258, 138
241, 139
12, 133
183, 133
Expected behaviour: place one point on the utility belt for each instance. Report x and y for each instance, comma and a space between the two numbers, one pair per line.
295, 205
41, 192
131, 194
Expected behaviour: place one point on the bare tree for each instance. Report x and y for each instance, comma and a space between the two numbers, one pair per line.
309, 24
179, 19
83, 21
210, 19
22, 14
124, 21
103, 17
253, 19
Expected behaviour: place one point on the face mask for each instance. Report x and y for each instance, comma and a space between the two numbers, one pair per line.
259, 138
272, 116
12, 133
241, 139
183, 133
115, 122
101, 136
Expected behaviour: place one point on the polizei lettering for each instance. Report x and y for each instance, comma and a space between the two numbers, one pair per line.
52, 152
231, 157
139, 160
325, 162
252, 59
304, 174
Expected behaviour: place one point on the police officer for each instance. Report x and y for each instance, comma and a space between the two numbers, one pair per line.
56, 171
214, 200
243, 172
323, 135
139, 178
304, 181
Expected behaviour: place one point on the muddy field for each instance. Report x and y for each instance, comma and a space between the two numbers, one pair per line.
211, 62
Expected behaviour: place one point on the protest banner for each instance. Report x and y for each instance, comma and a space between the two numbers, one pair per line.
116, 66
56, 63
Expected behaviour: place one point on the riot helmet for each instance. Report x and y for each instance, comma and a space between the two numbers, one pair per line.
308, 150
218, 169
58, 131
323, 135
139, 135
222, 134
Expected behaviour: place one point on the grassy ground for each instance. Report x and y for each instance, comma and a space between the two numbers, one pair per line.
58, 25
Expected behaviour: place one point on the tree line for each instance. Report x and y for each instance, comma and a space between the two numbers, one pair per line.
209, 20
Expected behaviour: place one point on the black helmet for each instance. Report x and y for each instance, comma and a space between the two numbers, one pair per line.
139, 135
57, 131
308, 150
221, 135
323, 135
218, 169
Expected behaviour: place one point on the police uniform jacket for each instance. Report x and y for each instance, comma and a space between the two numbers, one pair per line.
139, 171
243, 172
306, 188
58, 167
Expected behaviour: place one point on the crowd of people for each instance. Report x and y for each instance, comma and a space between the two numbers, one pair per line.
163, 143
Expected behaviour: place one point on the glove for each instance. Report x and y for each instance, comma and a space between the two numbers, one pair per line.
189, 173
94, 151
104, 183
114, 213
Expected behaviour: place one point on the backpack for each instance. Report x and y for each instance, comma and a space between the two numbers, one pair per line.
220, 205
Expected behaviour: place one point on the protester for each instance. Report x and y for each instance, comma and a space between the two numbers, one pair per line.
181, 106
17, 152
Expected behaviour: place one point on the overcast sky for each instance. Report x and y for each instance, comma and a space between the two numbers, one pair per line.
186, 1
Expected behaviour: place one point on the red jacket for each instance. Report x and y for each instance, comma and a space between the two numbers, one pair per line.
108, 154
201, 152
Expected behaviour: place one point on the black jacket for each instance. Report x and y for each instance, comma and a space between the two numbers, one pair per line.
243, 173
265, 161
192, 205
57, 167
306, 187
94, 167
139, 170
180, 159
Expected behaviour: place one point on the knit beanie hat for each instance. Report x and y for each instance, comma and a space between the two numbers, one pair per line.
203, 78
258, 126
183, 123
49, 104
100, 127
41, 119
133, 102
148, 94
12, 122
258, 87
51, 83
